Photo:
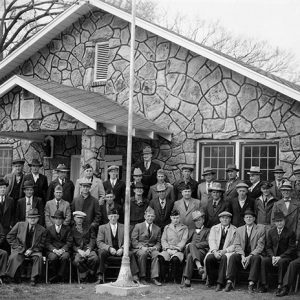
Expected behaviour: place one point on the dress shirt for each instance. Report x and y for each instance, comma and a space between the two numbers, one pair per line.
279, 231
57, 204
199, 229
208, 185
57, 228
249, 230
113, 182
287, 202
35, 177
162, 203
242, 203
2, 198
225, 228
149, 227
114, 228
215, 203
147, 165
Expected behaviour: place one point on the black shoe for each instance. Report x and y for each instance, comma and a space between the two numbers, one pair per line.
263, 289
143, 281
32, 282
218, 288
186, 284
283, 292
17, 280
278, 291
228, 287
251, 288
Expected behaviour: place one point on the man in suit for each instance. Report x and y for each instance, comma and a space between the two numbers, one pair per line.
87, 204
96, 190
196, 250
145, 240
108, 205
254, 191
186, 206
148, 168
186, 172
27, 240
237, 206
280, 249
57, 204
3, 255
162, 207
215, 205
15, 179
296, 183
40, 181
28, 202
203, 188
84, 242
290, 208
58, 246
233, 180
67, 184
221, 246
161, 177
137, 176
110, 242
277, 183
249, 243
115, 184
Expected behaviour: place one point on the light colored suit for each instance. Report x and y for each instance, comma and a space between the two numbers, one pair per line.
104, 238
169, 192
203, 193
97, 189
50, 209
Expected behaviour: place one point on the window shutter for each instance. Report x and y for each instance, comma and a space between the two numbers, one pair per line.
101, 61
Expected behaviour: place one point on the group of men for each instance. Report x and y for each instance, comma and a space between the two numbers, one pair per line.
183, 227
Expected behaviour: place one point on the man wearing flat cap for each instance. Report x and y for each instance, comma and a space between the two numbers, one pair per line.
186, 172
40, 181
249, 243
277, 183
221, 247
84, 242
28, 202
62, 179
290, 208
27, 240
280, 251
254, 190
203, 188
233, 180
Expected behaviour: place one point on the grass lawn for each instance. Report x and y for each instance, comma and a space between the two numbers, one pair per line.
87, 291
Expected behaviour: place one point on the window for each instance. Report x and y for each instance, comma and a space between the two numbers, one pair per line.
101, 62
5, 160
242, 153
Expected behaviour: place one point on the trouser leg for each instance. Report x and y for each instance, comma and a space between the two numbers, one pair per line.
222, 270
265, 265
255, 263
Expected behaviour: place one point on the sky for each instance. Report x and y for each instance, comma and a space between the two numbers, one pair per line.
277, 21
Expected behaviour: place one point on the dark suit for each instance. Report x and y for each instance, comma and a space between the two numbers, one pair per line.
264, 211
21, 209
118, 190
230, 189
3, 253
256, 192
283, 246
7, 214
275, 191
68, 190
11, 179
237, 211
104, 215
140, 238
212, 214
51, 208
17, 238
179, 184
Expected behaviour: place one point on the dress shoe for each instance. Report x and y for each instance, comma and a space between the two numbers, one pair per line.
32, 282
228, 287
156, 282
218, 288
263, 289
251, 288
186, 284
143, 281
278, 291
284, 292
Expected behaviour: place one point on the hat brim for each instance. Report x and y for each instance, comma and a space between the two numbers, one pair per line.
62, 170
186, 168
33, 216
217, 190
207, 173
232, 169
28, 187
55, 217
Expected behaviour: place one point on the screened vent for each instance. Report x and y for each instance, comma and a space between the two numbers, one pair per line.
101, 62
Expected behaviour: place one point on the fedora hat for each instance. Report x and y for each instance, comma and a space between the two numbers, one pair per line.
225, 214
79, 214
216, 186
3, 182
278, 215
33, 213
84, 181
35, 162
278, 169
113, 167
18, 161
137, 172
62, 168
242, 185
254, 170
266, 185
232, 167
187, 168
286, 186
147, 150
87, 166
58, 215
249, 212
208, 170
197, 214
28, 184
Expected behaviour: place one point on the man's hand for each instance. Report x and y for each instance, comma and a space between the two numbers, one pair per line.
87, 252
28, 252
81, 252
246, 261
275, 260
112, 251
120, 252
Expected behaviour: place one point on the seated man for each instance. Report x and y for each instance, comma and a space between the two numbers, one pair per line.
173, 241
3, 255
221, 246
27, 240
58, 246
84, 241
280, 249
138, 205
110, 242
196, 250
249, 244
145, 240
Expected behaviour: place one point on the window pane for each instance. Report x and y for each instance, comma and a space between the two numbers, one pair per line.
206, 162
229, 151
247, 163
214, 163
263, 151
214, 151
206, 151
272, 163
5, 160
247, 151
222, 151
272, 151
263, 163
255, 151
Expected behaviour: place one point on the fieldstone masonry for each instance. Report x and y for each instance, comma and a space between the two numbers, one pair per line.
190, 95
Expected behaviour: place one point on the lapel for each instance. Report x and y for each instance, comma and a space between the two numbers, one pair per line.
243, 235
228, 236
201, 234
253, 233
293, 206
181, 206
108, 233
218, 233
34, 202
282, 207
6, 204
24, 232
36, 235
191, 206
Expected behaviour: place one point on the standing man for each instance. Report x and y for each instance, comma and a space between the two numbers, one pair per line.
110, 204
138, 205
277, 183
67, 184
233, 180
254, 176
145, 240
27, 240
203, 188
58, 203
3, 254
40, 181
137, 176
186, 172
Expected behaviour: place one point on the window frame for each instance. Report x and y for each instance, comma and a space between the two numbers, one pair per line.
9, 165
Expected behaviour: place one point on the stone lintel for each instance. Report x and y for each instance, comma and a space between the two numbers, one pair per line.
110, 289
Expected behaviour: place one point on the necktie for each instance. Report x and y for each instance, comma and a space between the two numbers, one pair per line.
208, 186
265, 201
162, 203
149, 231
32, 229
229, 185
28, 201
114, 230
112, 183
57, 204
215, 204
2, 199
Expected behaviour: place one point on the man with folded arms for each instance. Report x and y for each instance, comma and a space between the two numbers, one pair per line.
145, 239
249, 244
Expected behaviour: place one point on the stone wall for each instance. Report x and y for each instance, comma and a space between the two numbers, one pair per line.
190, 95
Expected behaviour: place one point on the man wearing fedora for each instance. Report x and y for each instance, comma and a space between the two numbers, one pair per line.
215, 205
137, 176
58, 203
280, 251
196, 250
186, 172
15, 179
221, 247
67, 184
203, 188
254, 191
58, 245
110, 204
249, 243
27, 240
277, 183
233, 180
264, 204
237, 206
28, 202
40, 181
290, 208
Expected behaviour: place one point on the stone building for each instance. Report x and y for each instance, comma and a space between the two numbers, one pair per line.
68, 85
